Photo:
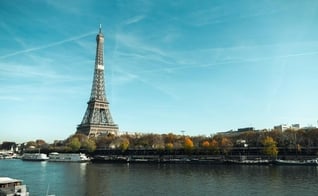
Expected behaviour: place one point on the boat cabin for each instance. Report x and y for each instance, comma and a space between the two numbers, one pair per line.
10, 186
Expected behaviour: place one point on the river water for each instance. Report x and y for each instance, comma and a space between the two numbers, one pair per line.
68, 179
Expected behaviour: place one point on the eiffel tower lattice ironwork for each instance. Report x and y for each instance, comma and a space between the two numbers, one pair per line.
97, 119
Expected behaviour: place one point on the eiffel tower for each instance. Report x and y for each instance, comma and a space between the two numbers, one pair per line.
97, 119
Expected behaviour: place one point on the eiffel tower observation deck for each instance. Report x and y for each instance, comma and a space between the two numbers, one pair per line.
97, 119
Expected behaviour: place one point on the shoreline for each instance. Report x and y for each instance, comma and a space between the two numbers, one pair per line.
215, 160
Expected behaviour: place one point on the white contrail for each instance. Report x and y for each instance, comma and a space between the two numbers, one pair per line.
299, 54
47, 46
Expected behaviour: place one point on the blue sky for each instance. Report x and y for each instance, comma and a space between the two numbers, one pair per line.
199, 66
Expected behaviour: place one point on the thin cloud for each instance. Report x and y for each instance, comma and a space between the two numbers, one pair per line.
136, 43
220, 14
67, 6
43, 73
125, 76
134, 48
128, 77
134, 19
10, 98
277, 87
16, 70
48, 45
299, 54
221, 59
146, 57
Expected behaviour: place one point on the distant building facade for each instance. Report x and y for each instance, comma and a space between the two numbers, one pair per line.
245, 129
284, 127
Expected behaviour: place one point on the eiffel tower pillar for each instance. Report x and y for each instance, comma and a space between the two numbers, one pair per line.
97, 119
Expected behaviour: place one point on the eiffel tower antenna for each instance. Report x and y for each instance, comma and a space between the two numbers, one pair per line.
97, 119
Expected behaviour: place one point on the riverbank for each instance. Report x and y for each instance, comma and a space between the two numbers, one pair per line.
189, 159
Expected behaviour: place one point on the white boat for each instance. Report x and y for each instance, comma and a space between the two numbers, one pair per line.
7, 155
68, 157
296, 162
250, 162
34, 157
12, 187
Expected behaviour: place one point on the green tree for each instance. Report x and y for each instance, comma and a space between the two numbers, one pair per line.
81, 137
89, 145
74, 144
169, 146
31, 144
124, 144
104, 141
40, 143
270, 148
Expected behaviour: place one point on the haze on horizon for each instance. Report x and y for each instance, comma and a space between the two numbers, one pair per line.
202, 67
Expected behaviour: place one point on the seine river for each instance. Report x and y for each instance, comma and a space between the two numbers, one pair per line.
68, 179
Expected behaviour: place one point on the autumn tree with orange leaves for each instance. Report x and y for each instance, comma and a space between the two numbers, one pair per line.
188, 144
214, 145
206, 144
226, 145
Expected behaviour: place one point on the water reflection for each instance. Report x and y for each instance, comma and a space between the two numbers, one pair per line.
43, 164
66, 178
102, 179
82, 169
